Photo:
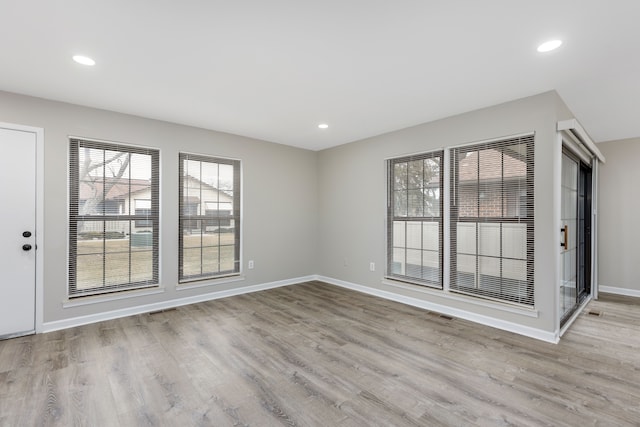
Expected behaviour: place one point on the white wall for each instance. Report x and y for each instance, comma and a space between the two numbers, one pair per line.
352, 184
279, 196
619, 211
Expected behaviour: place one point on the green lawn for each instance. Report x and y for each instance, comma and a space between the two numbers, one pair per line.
206, 254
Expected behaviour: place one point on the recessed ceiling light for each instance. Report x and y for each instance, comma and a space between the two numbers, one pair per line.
549, 46
323, 125
84, 60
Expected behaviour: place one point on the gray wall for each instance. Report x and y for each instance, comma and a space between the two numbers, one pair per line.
304, 212
352, 184
619, 200
279, 183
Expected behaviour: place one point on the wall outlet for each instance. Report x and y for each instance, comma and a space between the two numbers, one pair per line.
251, 264
372, 266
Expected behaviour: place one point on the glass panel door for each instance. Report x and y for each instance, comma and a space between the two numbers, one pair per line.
569, 242
575, 234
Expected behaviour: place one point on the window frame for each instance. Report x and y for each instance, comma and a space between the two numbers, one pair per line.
392, 218
235, 216
528, 220
75, 144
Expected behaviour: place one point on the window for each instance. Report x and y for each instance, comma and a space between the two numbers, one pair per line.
492, 220
414, 219
113, 217
209, 223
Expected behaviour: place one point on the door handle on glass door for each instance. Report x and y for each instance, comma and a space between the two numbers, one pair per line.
565, 242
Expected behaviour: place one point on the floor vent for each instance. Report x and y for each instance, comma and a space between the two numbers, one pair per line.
595, 313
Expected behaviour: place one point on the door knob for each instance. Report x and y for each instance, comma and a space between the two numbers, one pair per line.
26, 234
26, 247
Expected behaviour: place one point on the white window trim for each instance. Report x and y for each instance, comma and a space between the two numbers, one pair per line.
115, 296
205, 283
468, 299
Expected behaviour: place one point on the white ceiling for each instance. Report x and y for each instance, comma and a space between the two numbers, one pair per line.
275, 69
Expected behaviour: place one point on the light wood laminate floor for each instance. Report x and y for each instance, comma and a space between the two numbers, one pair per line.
318, 355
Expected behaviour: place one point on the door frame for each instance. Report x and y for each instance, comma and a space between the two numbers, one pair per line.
572, 135
584, 275
39, 231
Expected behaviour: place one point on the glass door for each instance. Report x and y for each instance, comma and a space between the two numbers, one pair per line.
575, 234
584, 232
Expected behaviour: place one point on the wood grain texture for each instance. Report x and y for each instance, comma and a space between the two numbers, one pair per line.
317, 355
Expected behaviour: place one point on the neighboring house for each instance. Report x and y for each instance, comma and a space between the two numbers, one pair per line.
120, 193
202, 199
133, 197
485, 192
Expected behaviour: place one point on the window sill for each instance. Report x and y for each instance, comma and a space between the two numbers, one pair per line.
209, 282
495, 305
98, 299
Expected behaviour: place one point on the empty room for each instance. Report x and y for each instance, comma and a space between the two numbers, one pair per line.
338, 213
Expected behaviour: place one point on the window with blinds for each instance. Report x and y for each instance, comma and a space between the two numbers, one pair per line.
414, 219
209, 221
113, 217
492, 220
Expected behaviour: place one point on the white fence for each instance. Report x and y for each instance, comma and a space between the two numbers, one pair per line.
496, 244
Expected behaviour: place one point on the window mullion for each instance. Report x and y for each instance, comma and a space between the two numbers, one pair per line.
129, 222
104, 228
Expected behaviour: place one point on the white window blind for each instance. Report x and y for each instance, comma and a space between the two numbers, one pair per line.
113, 238
414, 219
209, 222
492, 221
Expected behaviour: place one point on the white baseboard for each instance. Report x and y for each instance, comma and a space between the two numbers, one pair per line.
462, 314
619, 291
450, 311
140, 309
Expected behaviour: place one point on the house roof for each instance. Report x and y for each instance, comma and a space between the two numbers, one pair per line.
118, 189
491, 164
204, 184
490, 167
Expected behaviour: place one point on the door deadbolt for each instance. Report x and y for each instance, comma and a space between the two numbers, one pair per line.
26, 234
26, 247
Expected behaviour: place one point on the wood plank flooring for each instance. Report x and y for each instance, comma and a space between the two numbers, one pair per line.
318, 355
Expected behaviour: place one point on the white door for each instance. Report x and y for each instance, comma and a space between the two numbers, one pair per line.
17, 232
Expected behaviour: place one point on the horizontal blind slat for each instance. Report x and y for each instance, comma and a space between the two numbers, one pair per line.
114, 217
414, 219
209, 217
492, 186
